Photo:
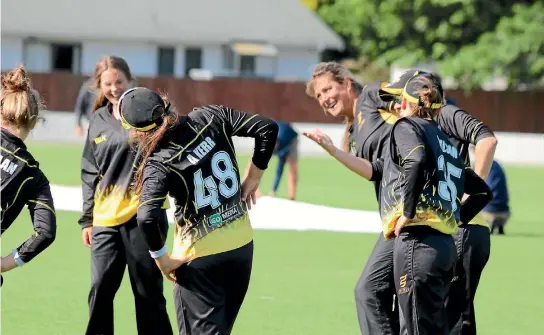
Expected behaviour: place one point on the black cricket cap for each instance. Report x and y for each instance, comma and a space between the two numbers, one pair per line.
392, 90
142, 109
414, 84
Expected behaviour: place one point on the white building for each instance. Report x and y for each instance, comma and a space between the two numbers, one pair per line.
276, 39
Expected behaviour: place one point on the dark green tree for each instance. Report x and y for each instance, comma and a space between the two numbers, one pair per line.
471, 40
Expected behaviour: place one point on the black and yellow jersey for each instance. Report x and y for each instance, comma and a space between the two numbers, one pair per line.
462, 129
372, 124
196, 164
107, 167
23, 183
422, 177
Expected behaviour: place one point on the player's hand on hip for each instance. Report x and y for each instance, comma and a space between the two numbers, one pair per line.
86, 236
250, 185
402, 222
322, 139
168, 265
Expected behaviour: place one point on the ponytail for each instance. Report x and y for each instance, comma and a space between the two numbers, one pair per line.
149, 141
429, 95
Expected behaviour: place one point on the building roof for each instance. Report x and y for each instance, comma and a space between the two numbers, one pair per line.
280, 22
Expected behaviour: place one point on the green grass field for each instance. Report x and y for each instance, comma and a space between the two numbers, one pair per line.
302, 282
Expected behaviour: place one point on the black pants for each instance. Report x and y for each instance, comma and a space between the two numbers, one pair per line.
424, 261
473, 248
375, 290
210, 291
112, 249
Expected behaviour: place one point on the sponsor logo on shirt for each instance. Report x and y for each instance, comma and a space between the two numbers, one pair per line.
225, 216
100, 139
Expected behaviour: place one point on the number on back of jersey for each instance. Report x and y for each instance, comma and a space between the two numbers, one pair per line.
447, 189
207, 190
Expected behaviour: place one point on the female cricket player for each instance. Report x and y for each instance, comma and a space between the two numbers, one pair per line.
109, 213
192, 158
22, 181
369, 121
421, 180
472, 241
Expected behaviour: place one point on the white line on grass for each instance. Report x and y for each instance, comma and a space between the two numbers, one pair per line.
269, 213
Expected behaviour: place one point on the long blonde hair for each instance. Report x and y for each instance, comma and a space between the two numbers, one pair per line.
338, 72
108, 62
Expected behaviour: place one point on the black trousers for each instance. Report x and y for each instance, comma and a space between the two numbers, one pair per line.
375, 291
423, 262
112, 249
473, 245
210, 291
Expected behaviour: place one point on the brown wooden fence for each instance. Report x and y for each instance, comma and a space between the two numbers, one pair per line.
502, 111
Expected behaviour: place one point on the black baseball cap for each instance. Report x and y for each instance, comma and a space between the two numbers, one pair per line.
142, 109
392, 90
414, 84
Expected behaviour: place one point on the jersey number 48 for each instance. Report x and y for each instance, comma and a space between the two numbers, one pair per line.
222, 174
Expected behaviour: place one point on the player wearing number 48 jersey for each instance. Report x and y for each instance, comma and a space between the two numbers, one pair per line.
192, 158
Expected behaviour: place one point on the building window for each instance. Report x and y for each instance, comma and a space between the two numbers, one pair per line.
37, 55
228, 57
193, 59
247, 65
166, 61
65, 57
240, 59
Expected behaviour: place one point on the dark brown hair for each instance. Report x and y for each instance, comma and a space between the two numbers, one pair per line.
20, 104
338, 72
106, 63
429, 94
148, 141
